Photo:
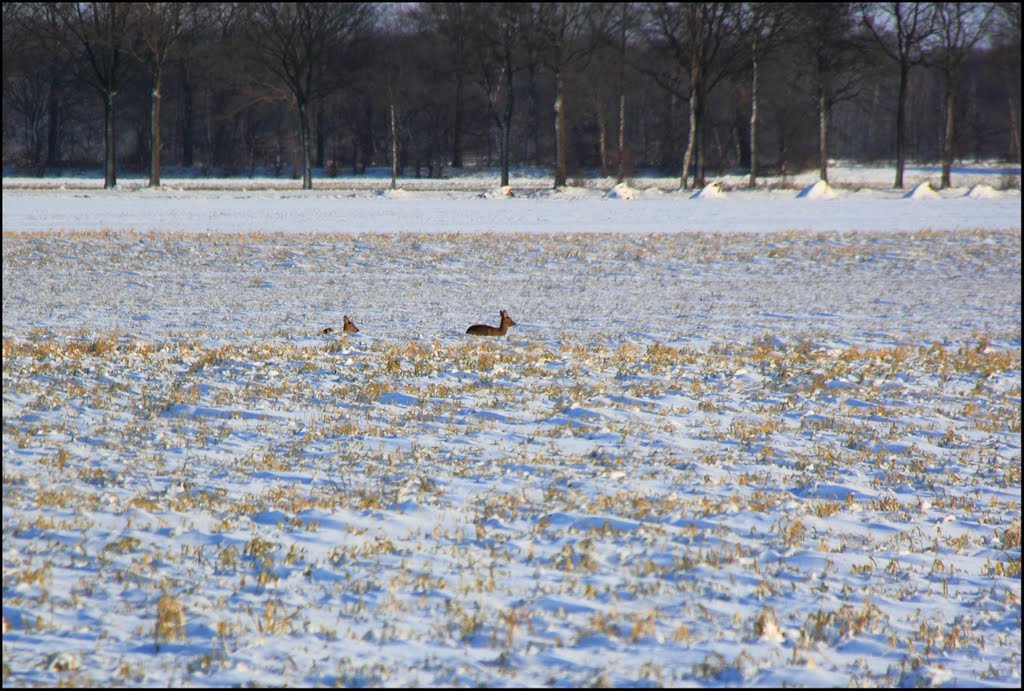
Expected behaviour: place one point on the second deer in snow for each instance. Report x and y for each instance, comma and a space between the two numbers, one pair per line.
485, 330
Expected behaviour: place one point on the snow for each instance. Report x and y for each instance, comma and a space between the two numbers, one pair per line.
621, 191
710, 191
983, 191
755, 442
576, 210
922, 190
819, 190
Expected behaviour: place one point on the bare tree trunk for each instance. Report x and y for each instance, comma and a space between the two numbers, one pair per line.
1014, 132
53, 126
602, 137
187, 133
321, 137
622, 102
947, 145
691, 136
208, 135
622, 137
822, 134
532, 116
505, 127
394, 146
307, 149
901, 125
505, 134
110, 145
753, 118
457, 125
154, 131
698, 178
691, 140
560, 143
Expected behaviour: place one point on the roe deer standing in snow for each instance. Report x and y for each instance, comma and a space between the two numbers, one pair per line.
485, 330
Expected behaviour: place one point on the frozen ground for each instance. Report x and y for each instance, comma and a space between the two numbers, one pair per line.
787, 455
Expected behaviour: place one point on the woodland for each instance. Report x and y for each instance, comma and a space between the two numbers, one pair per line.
577, 89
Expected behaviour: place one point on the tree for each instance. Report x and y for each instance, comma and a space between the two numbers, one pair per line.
1009, 35
292, 40
624, 25
160, 26
762, 23
831, 55
623, 20
100, 32
451, 23
902, 29
24, 92
496, 28
568, 31
693, 35
960, 26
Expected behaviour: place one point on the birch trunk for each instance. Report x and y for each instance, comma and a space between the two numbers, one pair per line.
691, 136
560, 143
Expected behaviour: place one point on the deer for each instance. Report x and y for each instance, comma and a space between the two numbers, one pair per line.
485, 330
349, 327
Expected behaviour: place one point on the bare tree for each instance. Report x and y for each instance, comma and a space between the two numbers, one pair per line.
160, 26
1009, 34
451, 23
762, 23
26, 90
693, 35
293, 40
960, 26
100, 32
496, 30
569, 32
394, 131
623, 20
832, 56
902, 29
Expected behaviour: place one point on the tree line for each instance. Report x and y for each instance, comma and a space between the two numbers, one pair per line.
428, 88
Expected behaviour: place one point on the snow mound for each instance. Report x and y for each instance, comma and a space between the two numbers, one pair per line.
397, 193
983, 191
505, 191
574, 193
710, 191
819, 190
621, 191
922, 191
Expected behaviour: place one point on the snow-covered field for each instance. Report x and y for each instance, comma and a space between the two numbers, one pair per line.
745, 439
861, 198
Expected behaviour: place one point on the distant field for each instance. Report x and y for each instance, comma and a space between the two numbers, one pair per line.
716, 459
